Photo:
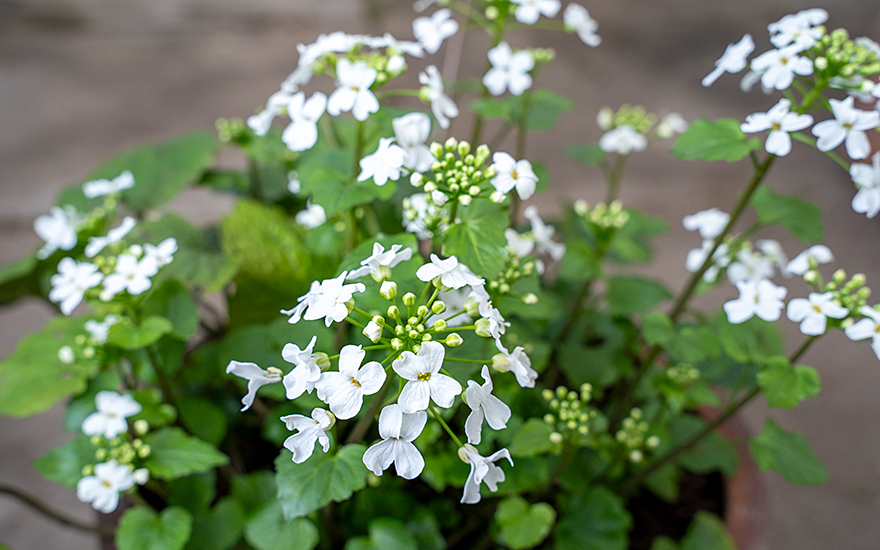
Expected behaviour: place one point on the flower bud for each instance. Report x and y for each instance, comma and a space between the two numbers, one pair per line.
472, 307
416, 179
497, 197
436, 151
454, 340
451, 144
66, 355
605, 118
465, 200
141, 426
101, 454
653, 442
636, 456
483, 328
141, 476
839, 277
409, 299
422, 311
144, 451
373, 331
492, 14
322, 360
859, 279
549, 419
388, 290
438, 307
556, 438
393, 312
88, 470
397, 344
530, 299
427, 337
439, 324
464, 149
811, 276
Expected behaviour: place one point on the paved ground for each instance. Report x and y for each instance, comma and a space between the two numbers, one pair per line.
83, 79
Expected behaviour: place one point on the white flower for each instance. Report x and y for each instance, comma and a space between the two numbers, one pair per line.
578, 18
275, 106
697, 256
510, 71
256, 377
97, 244
383, 165
780, 121
869, 327
749, 266
773, 253
808, 259
418, 213
98, 331
710, 223
163, 253
353, 91
141, 476
302, 132
303, 303
411, 132
798, 29
528, 11
312, 216
373, 331
867, 178
71, 282
425, 381
58, 229
734, 59
397, 430
381, 261
451, 273
113, 409
517, 362
543, 234
326, 300
849, 124
623, 140
99, 188
102, 489
513, 173
780, 66
761, 298
497, 324
519, 245
672, 124
442, 107
813, 312
483, 405
432, 31
305, 374
311, 430
131, 274
344, 391
483, 470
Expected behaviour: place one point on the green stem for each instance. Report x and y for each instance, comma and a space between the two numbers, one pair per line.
478, 361
446, 427
614, 178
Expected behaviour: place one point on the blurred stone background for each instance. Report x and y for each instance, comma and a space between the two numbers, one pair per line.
81, 80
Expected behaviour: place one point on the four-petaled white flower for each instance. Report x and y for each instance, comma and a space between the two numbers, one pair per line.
97, 244
749, 265
780, 121
497, 324
451, 273
809, 259
697, 256
517, 362
102, 489
353, 91
302, 132
99, 188
798, 29
312, 216
510, 71
578, 18
869, 327
483, 470
305, 374
710, 223
519, 245
483, 405
58, 229
813, 312
425, 381
99, 331
867, 178
275, 106
778, 67
383, 165
326, 300
543, 234
411, 132
303, 303
163, 253
256, 376
432, 31
131, 274
311, 430
442, 106
397, 430
513, 173
733, 60
113, 408
670, 125
71, 282
761, 298
623, 140
381, 261
849, 124
344, 390
528, 11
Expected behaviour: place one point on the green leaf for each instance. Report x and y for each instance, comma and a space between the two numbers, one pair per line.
787, 453
174, 454
754, 341
803, 219
254, 491
712, 453
303, 488
707, 532
545, 108
65, 464
202, 418
628, 295
19, 279
490, 109
173, 302
523, 525
195, 492
479, 243
632, 242
784, 386
385, 534
141, 528
589, 154
533, 438
579, 262
33, 378
664, 543
657, 328
127, 335
595, 519
719, 140
268, 530
692, 344
327, 176
218, 528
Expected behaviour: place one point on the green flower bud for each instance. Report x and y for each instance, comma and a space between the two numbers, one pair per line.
88, 470
549, 419
397, 344
465, 200
556, 438
450, 145
379, 320
422, 311
409, 299
483, 328
454, 340
101, 454
438, 307
437, 152
141, 427
144, 451
482, 154
636, 456
839, 277
547, 394
322, 360
439, 324
393, 312
388, 290
464, 149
